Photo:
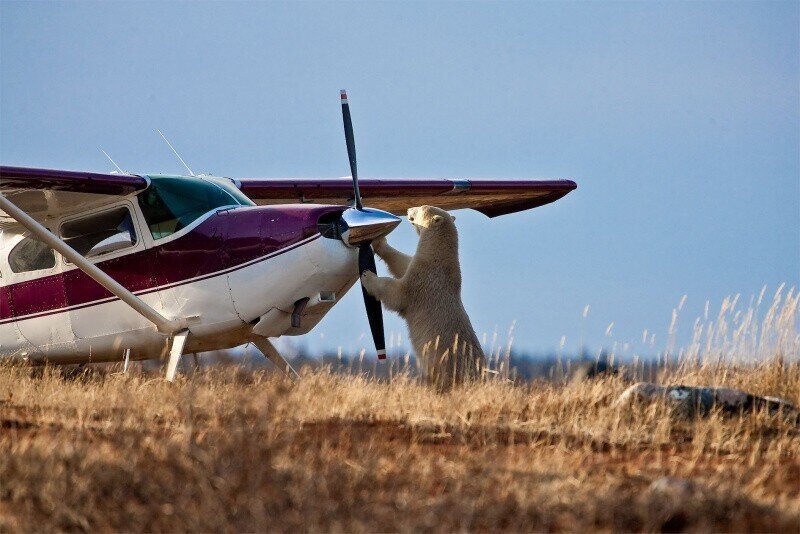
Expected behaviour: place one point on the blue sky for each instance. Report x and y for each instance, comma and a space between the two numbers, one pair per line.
679, 121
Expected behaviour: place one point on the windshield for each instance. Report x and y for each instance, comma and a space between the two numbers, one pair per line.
173, 202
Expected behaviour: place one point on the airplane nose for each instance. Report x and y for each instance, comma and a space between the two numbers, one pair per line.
356, 227
366, 225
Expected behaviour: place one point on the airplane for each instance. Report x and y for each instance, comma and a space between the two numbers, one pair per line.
98, 267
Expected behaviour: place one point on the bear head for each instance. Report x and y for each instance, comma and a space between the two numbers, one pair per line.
430, 219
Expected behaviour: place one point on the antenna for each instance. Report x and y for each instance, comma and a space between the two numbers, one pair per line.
175, 151
114, 163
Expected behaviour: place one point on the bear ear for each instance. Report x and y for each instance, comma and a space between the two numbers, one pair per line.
436, 219
453, 218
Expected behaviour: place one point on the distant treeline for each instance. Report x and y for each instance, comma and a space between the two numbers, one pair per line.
513, 366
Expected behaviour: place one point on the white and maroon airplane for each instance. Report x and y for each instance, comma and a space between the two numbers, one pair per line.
111, 267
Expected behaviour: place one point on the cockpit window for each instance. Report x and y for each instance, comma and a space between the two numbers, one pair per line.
30, 254
172, 203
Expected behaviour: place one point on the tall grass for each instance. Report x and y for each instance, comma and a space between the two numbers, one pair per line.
227, 450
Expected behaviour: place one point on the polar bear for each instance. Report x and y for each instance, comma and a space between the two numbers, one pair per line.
426, 292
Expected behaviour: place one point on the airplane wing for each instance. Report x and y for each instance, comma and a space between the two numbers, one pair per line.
45, 192
490, 197
42, 193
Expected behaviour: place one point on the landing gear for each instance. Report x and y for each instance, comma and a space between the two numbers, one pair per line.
270, 352
175, 352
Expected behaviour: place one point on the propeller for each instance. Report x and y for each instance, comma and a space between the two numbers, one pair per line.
366, 256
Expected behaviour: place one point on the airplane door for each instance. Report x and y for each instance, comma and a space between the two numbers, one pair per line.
37, 296
112, 238
40, 299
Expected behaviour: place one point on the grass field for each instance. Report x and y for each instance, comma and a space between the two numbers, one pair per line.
227, 450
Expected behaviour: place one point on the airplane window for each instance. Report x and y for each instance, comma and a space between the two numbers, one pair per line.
172, 203
100, 233
30, 254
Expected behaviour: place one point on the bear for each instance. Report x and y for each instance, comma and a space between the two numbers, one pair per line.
426, 292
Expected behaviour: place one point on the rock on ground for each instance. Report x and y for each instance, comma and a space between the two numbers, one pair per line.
694, 400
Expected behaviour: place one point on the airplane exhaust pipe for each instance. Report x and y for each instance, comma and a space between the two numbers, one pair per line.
297, 312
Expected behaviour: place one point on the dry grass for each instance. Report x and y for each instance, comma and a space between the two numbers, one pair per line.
224, 450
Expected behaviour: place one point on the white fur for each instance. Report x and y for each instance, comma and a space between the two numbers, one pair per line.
426, 292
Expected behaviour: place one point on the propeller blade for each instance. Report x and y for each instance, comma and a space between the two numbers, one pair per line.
366, 257
351, 147
366, 262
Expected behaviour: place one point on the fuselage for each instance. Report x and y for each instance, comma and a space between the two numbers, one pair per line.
226, 265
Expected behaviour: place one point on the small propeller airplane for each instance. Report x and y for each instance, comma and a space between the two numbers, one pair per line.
118, 267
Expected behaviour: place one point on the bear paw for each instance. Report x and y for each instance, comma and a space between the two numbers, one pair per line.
370, 281
379, 245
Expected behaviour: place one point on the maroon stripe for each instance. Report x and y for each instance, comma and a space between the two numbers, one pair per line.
5, 302
151, 290
224, 242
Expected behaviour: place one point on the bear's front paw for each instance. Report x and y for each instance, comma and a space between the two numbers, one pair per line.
370, 282
379, 245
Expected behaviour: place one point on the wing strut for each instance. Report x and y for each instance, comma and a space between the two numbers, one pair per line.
164, 325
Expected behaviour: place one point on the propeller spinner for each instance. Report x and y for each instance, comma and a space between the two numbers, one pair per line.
363, 225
